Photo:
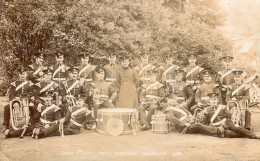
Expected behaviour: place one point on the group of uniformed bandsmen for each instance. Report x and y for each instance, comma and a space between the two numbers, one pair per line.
59, 100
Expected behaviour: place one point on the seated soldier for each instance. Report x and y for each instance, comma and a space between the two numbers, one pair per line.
150, 95
218, 116
183, 121
239, 92
183, 91
47, 112
102, 92
19, 89
21, 120
208, 86
70, 124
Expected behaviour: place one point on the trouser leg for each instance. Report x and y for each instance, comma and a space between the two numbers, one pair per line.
203, 129
151, 112
143, 119
241, 131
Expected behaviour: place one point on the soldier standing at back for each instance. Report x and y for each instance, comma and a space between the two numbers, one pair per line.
86, 69
59, 69
35, 74
111, 69
167, 73
193, 72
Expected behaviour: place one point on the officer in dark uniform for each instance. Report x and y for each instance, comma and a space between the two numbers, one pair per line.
18, 89
183, 93
208, 86
70, 124
150, 96
35, 74
60, 70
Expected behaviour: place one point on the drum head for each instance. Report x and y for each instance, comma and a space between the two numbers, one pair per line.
114, 111
115, 127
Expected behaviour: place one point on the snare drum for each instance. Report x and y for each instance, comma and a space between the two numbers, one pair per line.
160, 124
117, 121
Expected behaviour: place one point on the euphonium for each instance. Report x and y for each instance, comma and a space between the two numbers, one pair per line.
234, 109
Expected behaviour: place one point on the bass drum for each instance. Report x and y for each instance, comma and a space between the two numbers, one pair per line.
117, 121
160, 124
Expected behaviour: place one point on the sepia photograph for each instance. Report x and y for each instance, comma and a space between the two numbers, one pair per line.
129, 80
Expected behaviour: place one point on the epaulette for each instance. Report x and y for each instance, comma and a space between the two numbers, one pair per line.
57, 108
51, 67
30, 83
38, 84
13, 84
216, 85
31, 66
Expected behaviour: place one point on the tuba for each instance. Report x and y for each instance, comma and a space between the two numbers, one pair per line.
19, 111
236, 115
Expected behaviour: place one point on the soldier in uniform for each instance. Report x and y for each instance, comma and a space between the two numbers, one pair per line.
70, 124
182, 92
72, 87
18, 89
193, 72
111, 69
126, 85
239, 91
208, 86
226, 76
183, 121
59, 69
35, 74
150, 97
86, 69
218, 116
102, 92
167, 73
144, 67
47, 84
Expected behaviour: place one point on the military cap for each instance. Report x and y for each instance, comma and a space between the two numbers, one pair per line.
212, 95
74, 70
23, 70
123, 58
84, 55
46, 93
38, 55
47, 71
99, 69
59, 54
192, 55
227, 58
168, 56
237, 72
207, 72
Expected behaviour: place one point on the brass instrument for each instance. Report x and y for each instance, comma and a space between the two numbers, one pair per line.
236, 115
96, 96
199, 115
19, 111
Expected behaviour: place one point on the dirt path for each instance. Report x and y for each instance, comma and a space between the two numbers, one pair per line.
91, 146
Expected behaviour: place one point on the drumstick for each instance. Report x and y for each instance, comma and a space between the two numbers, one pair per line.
24, 130
184, 130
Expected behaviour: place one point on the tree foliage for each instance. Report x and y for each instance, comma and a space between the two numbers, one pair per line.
100, 27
